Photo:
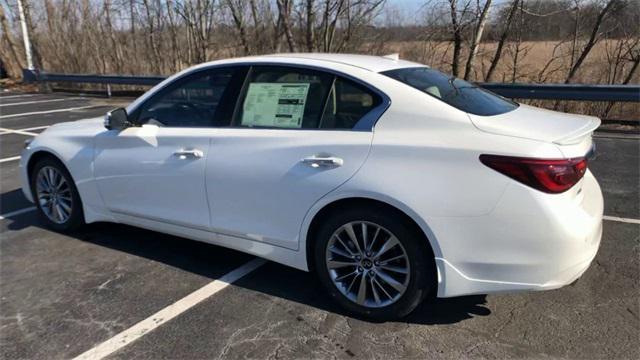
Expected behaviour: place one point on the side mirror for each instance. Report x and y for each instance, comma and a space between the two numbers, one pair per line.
117, 119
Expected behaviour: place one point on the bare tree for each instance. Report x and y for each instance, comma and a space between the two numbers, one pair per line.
13, 63
310, 34
173, 29
35, 41
456, 29
553, 65
517, 48
482, 21
593, 39
631, 55
237, 11
284, 14
503, 38
332, 12
116, 53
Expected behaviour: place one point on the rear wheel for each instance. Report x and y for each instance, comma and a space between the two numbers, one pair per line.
373, 263
55, 195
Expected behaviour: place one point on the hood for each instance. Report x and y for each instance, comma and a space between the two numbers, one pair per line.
91, 123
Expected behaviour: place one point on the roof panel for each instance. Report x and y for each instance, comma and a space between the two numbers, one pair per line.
368, 62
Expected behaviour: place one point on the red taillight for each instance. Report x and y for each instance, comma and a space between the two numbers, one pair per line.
550, 176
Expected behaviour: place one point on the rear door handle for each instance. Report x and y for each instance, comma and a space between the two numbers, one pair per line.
189, 154
323, 161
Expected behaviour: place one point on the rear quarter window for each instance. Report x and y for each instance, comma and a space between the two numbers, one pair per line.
458, 93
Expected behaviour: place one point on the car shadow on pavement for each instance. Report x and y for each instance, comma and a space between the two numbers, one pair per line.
271, 279
304, 288
13, 200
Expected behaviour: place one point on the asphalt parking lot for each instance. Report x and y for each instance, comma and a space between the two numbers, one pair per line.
64, 294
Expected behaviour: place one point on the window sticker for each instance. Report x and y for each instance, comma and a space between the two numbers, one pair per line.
275, 105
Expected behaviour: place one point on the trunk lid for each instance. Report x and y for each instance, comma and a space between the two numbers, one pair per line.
539, 124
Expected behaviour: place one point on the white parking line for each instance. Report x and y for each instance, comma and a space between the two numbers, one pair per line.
21, 132
38, 101
620, 219
17, 212
4, 131
149, 324
49, 111
15, 96
9, 159
34, 128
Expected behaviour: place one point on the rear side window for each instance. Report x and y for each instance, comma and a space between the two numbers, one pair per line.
455, 92
294, 98
348, 102
280, 97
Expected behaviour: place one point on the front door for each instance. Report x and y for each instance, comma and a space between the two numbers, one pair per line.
156, 171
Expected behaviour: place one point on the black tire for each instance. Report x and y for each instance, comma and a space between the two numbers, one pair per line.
76, 216
422, 279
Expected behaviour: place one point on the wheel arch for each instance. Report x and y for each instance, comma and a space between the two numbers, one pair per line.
39, 155
325, 209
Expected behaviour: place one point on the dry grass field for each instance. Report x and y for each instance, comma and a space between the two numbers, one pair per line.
534, 62
537, 61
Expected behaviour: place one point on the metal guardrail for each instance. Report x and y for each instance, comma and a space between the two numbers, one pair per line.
578, 92
35, 76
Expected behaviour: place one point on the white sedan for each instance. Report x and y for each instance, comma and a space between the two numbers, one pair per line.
392, 181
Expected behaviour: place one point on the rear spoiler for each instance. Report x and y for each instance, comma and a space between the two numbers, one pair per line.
577, 135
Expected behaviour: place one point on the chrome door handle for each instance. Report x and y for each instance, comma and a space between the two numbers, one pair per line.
328, 161
190, 153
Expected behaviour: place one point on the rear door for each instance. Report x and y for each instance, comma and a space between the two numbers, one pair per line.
296, 135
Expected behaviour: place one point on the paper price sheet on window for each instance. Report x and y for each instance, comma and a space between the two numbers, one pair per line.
275, 105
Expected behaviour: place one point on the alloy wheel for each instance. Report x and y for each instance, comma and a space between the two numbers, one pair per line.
367, 264
54, 194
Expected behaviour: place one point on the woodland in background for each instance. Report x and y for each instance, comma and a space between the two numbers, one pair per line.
531, 41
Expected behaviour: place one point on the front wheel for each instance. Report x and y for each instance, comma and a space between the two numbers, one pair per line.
373, 263
55, 195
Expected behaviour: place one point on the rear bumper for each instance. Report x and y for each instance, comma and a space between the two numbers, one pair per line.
530, 241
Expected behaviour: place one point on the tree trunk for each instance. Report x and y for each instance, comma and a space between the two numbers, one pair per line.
593, 39
503, 39
310, 26
132, 25
258, 28
15, 64
457, 37
238, 20
175, 55
477, 38
330, 35
155, 53
35, 43
284, 11
115, 47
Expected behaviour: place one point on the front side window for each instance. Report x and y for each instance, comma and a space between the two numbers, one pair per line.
455, 92
293, 98
191, 102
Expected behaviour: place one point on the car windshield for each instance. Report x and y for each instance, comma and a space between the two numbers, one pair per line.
455, 92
